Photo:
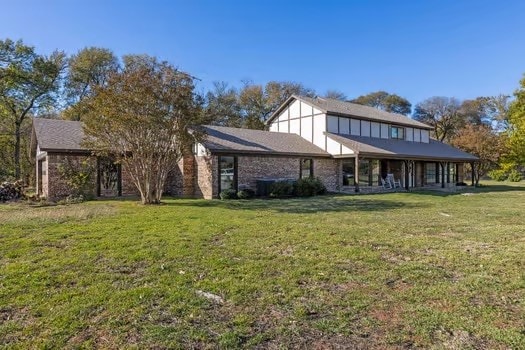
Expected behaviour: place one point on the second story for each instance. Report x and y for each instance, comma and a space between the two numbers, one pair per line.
315, 119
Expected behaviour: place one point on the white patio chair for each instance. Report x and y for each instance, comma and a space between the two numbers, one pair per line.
395, 183
386, 184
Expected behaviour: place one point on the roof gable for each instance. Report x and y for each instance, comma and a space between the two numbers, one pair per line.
58, 135
348, 109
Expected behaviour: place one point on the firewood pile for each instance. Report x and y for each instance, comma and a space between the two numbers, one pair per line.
11, 190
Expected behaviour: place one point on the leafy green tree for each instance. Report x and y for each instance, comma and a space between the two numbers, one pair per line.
258, 102
516, 130
29, 83
387, 102
141, 116
90, 67
223, 106
443, 113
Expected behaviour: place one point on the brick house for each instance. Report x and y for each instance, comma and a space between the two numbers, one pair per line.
347, 146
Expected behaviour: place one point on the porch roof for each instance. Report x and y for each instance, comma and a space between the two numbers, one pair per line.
400, 149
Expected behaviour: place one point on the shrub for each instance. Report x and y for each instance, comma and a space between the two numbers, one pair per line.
281, 189
498, 175
79, 175
309, 186
228, 194
247, 193
514, 176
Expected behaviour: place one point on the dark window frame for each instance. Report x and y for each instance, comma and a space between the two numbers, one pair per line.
235, 172
398, 129
301, 167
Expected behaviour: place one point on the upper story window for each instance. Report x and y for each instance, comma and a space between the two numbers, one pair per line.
397, 133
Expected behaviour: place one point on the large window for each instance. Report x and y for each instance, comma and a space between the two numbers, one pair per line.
348, 172
397, 133
307, 168
430, 173
228, 173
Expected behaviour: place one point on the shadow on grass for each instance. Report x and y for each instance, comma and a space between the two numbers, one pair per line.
471, 189
328, 203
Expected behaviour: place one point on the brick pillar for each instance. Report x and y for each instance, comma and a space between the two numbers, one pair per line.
189, 175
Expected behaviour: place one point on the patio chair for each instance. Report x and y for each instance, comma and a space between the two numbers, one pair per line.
395, 183
386, 184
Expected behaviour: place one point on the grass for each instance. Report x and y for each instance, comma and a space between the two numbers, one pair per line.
397, 270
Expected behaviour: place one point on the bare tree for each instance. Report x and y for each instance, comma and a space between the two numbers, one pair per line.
443, 113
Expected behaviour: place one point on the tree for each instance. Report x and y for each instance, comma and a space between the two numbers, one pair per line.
258, 102
141, 116
481, 141
516, 130
222, 106
442, 113
491, 111
335, 95
28, 83
90, 67
387, 102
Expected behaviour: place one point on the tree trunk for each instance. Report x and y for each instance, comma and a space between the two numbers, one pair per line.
17, 150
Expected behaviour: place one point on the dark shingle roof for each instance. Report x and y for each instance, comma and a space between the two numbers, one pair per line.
331, 106
434, 150
223, 139
58, 135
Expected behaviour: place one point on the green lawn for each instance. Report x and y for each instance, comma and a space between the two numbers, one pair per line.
398, 270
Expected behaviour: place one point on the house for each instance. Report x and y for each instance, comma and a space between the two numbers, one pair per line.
347, 146
370, 143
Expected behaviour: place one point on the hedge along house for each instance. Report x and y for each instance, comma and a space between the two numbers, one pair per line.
370, 143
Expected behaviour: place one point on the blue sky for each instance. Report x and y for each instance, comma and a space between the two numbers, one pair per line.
416, 49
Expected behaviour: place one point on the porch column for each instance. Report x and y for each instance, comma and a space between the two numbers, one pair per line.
356, 173
407, 174
442, 166
472, 172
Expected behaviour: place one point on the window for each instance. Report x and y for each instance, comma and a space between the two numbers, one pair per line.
430, 173
307, 168
348, 172
397, 133
228, 173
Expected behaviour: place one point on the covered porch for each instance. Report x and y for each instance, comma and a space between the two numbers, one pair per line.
373, 174
367, 162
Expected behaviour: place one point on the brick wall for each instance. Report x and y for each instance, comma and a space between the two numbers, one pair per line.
206, 177
251, 168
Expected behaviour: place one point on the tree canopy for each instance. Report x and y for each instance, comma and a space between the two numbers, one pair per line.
29, 83
89, 68
387, 102
516, 130
142, 117
442, 113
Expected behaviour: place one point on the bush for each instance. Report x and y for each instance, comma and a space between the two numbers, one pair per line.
79, 175
514, 176
228, 194
498, 175
282, 189
309, 186
247, 193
